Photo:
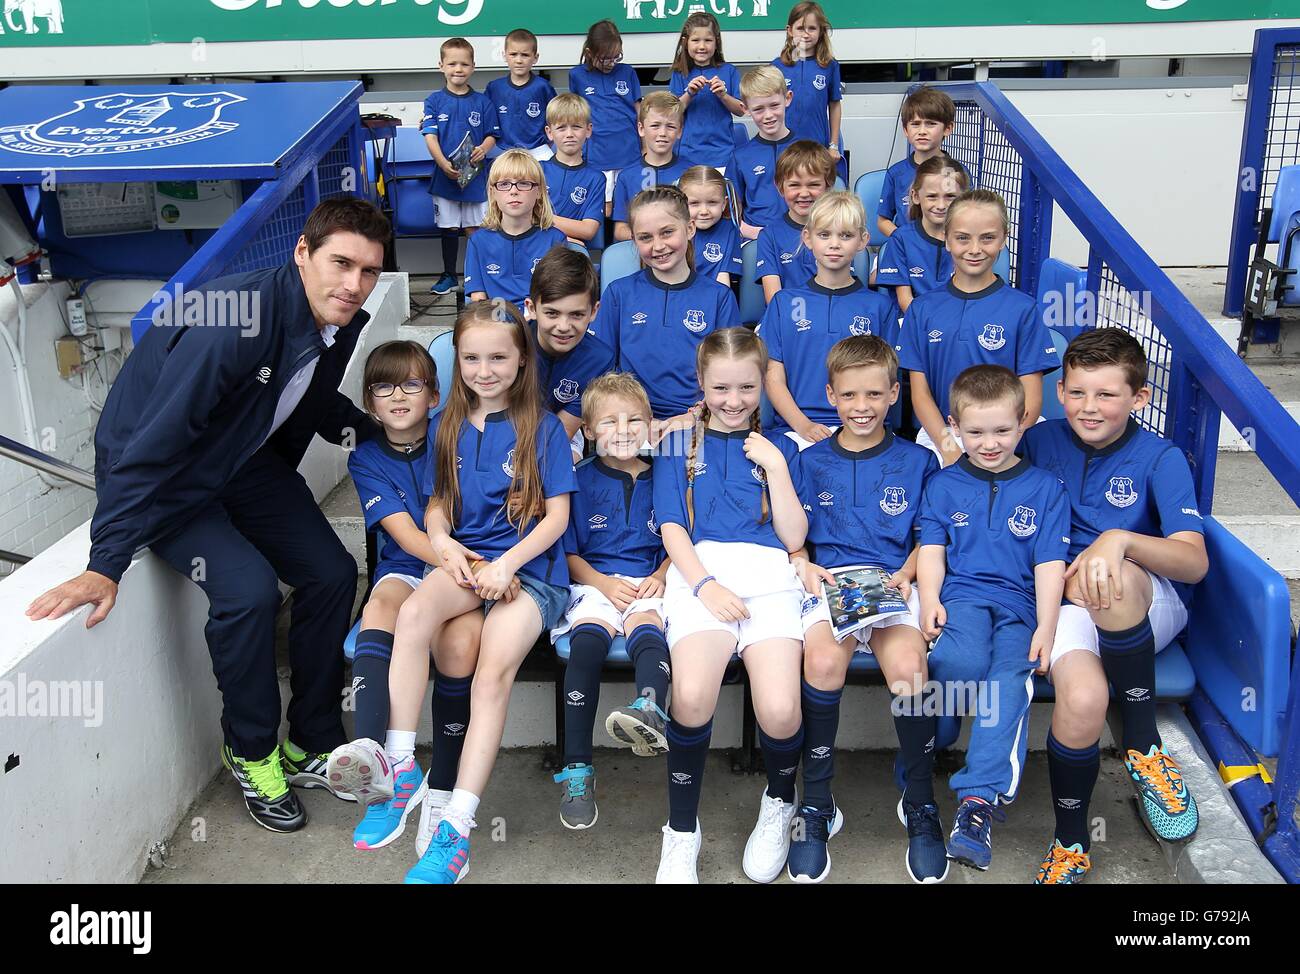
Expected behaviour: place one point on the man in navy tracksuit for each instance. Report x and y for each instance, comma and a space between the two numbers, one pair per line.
196, 457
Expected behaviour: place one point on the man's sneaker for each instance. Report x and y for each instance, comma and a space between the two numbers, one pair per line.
1063, 865
808, 861
303, 770
971, 841
769, 843
270, 801
444, 285
376, 830
641, 725
361, 768
578, 803
1167, 807
445, 862
678, 856
926, 859
431, 808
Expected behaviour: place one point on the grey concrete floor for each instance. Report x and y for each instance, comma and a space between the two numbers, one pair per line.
520, 839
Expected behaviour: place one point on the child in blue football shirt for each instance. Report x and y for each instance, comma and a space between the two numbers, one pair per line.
813, 76
449, 115
521, 97
614, 94
1137, 546
518, 231
659, 123
804, 321
994, 536
753, 166
803, 173
617, 566
863, 490
717, 241
914, 259
927, 117
708, 88
976, 318
576, 189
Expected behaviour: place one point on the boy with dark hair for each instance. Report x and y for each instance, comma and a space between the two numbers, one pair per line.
521, 97
804, 172
927, 117
1137, 548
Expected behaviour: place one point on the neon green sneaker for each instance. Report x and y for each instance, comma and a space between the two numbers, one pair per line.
270, 801
306, 770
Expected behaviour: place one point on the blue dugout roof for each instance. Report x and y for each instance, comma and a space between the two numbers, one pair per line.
130, 133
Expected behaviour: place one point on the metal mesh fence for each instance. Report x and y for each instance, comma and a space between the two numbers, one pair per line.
274, 241
1119, 307
1282, 147
979, 145
336, 172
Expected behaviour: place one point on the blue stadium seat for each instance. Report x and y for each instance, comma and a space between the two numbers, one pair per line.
619, 260
840, 185
739, 134
1059, 282
752, 304
444, 359
1052, 407
1283, 228
580, 248
868, 187
408, 185
864, 262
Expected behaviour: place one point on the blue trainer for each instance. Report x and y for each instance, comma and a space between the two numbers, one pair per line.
385, 822
444, 285
971, 841
926, 859
808, 860
445, 862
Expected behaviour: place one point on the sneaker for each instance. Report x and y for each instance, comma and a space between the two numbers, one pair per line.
971, 841
445, 862
578, 803
641, 725
270, 801
808, 860
1167, 807
444, 285
376, 830
678, 856
303, 770
769, 843
1063, 865
926, 859
361, 768
431, 808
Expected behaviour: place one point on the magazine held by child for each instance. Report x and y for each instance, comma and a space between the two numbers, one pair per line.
460, 159
860, 597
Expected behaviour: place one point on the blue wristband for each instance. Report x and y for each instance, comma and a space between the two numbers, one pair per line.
701, 583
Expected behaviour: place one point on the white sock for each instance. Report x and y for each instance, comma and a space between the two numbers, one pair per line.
399, 745
460, 810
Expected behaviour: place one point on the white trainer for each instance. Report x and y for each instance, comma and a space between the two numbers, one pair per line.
769, 843
430, 815
677, 859
361, 768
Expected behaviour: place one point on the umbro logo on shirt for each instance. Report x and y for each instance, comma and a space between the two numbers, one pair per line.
264, 374
786, 258
916, 271
803, 324
598, 522
1193, 512
699, 468
826, 498
494, 268
443, 117
639, 318
503, 109
936, 336
589, 90
960, 519
372, 502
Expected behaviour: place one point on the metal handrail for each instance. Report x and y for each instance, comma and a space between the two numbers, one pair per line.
13, 557
31, 457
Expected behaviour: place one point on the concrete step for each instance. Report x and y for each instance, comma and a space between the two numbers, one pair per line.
1251, 504
1204, 287
342, 507
1282, 379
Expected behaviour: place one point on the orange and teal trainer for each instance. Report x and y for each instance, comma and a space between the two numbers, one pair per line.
1063, 865
1167, 807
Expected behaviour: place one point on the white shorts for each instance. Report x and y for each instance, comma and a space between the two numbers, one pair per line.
588, 602
410, 580
763, 577
611, 177
454, 214
816, 610
1076, 630
923, 439
799, 441
541, 152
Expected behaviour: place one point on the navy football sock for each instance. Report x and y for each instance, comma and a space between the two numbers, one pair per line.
588, 647
916, 740
648, 650
374, 653
821, 722
1129, 659
781, 758
1073, 773
450, 251
688, 750
450, 718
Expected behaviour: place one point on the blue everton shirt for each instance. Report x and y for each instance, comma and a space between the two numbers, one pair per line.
781, 252
641, 175
913, 258
389, 481
753, 171
485, 467
706, 132
727, 494
896, 191
577, 192
1140, 483
996, 528
564, 378
862, 506
814, 87
717, 250
654, 329
521, 111
801, 324
612, 525
612, 97
449, 117
947, 331
501, 264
